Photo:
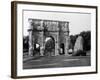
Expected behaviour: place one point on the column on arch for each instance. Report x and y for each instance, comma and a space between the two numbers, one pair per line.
30, 30
41, 39
67, 38
56, 29
56, 44
67, 45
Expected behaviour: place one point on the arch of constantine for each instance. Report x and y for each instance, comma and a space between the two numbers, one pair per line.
40, 29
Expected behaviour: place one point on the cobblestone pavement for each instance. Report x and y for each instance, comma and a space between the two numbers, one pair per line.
56, 61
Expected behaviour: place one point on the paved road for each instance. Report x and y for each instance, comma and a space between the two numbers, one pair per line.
56, 61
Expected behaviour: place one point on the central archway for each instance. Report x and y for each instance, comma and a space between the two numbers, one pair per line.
49, 46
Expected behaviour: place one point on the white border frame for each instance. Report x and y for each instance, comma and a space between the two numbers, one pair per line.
50, 71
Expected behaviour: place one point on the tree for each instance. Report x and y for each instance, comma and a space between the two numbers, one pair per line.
87, 39
73, 40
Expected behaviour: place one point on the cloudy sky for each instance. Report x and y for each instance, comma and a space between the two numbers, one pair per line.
78, 22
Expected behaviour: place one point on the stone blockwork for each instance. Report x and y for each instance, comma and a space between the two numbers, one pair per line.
41, 29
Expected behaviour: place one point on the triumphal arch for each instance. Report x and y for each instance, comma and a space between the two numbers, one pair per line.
41, 31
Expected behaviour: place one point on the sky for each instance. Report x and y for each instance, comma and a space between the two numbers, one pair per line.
78, 22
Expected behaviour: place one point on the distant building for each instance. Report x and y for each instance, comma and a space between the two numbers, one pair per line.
41, 31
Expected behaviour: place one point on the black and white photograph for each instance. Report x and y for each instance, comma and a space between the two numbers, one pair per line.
57, 38
50, 43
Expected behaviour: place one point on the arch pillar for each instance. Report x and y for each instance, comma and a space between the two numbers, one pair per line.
67, 41
56, 45
67, 45
30, 38
41, 44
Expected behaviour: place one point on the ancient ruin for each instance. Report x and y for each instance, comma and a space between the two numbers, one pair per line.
48, 37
